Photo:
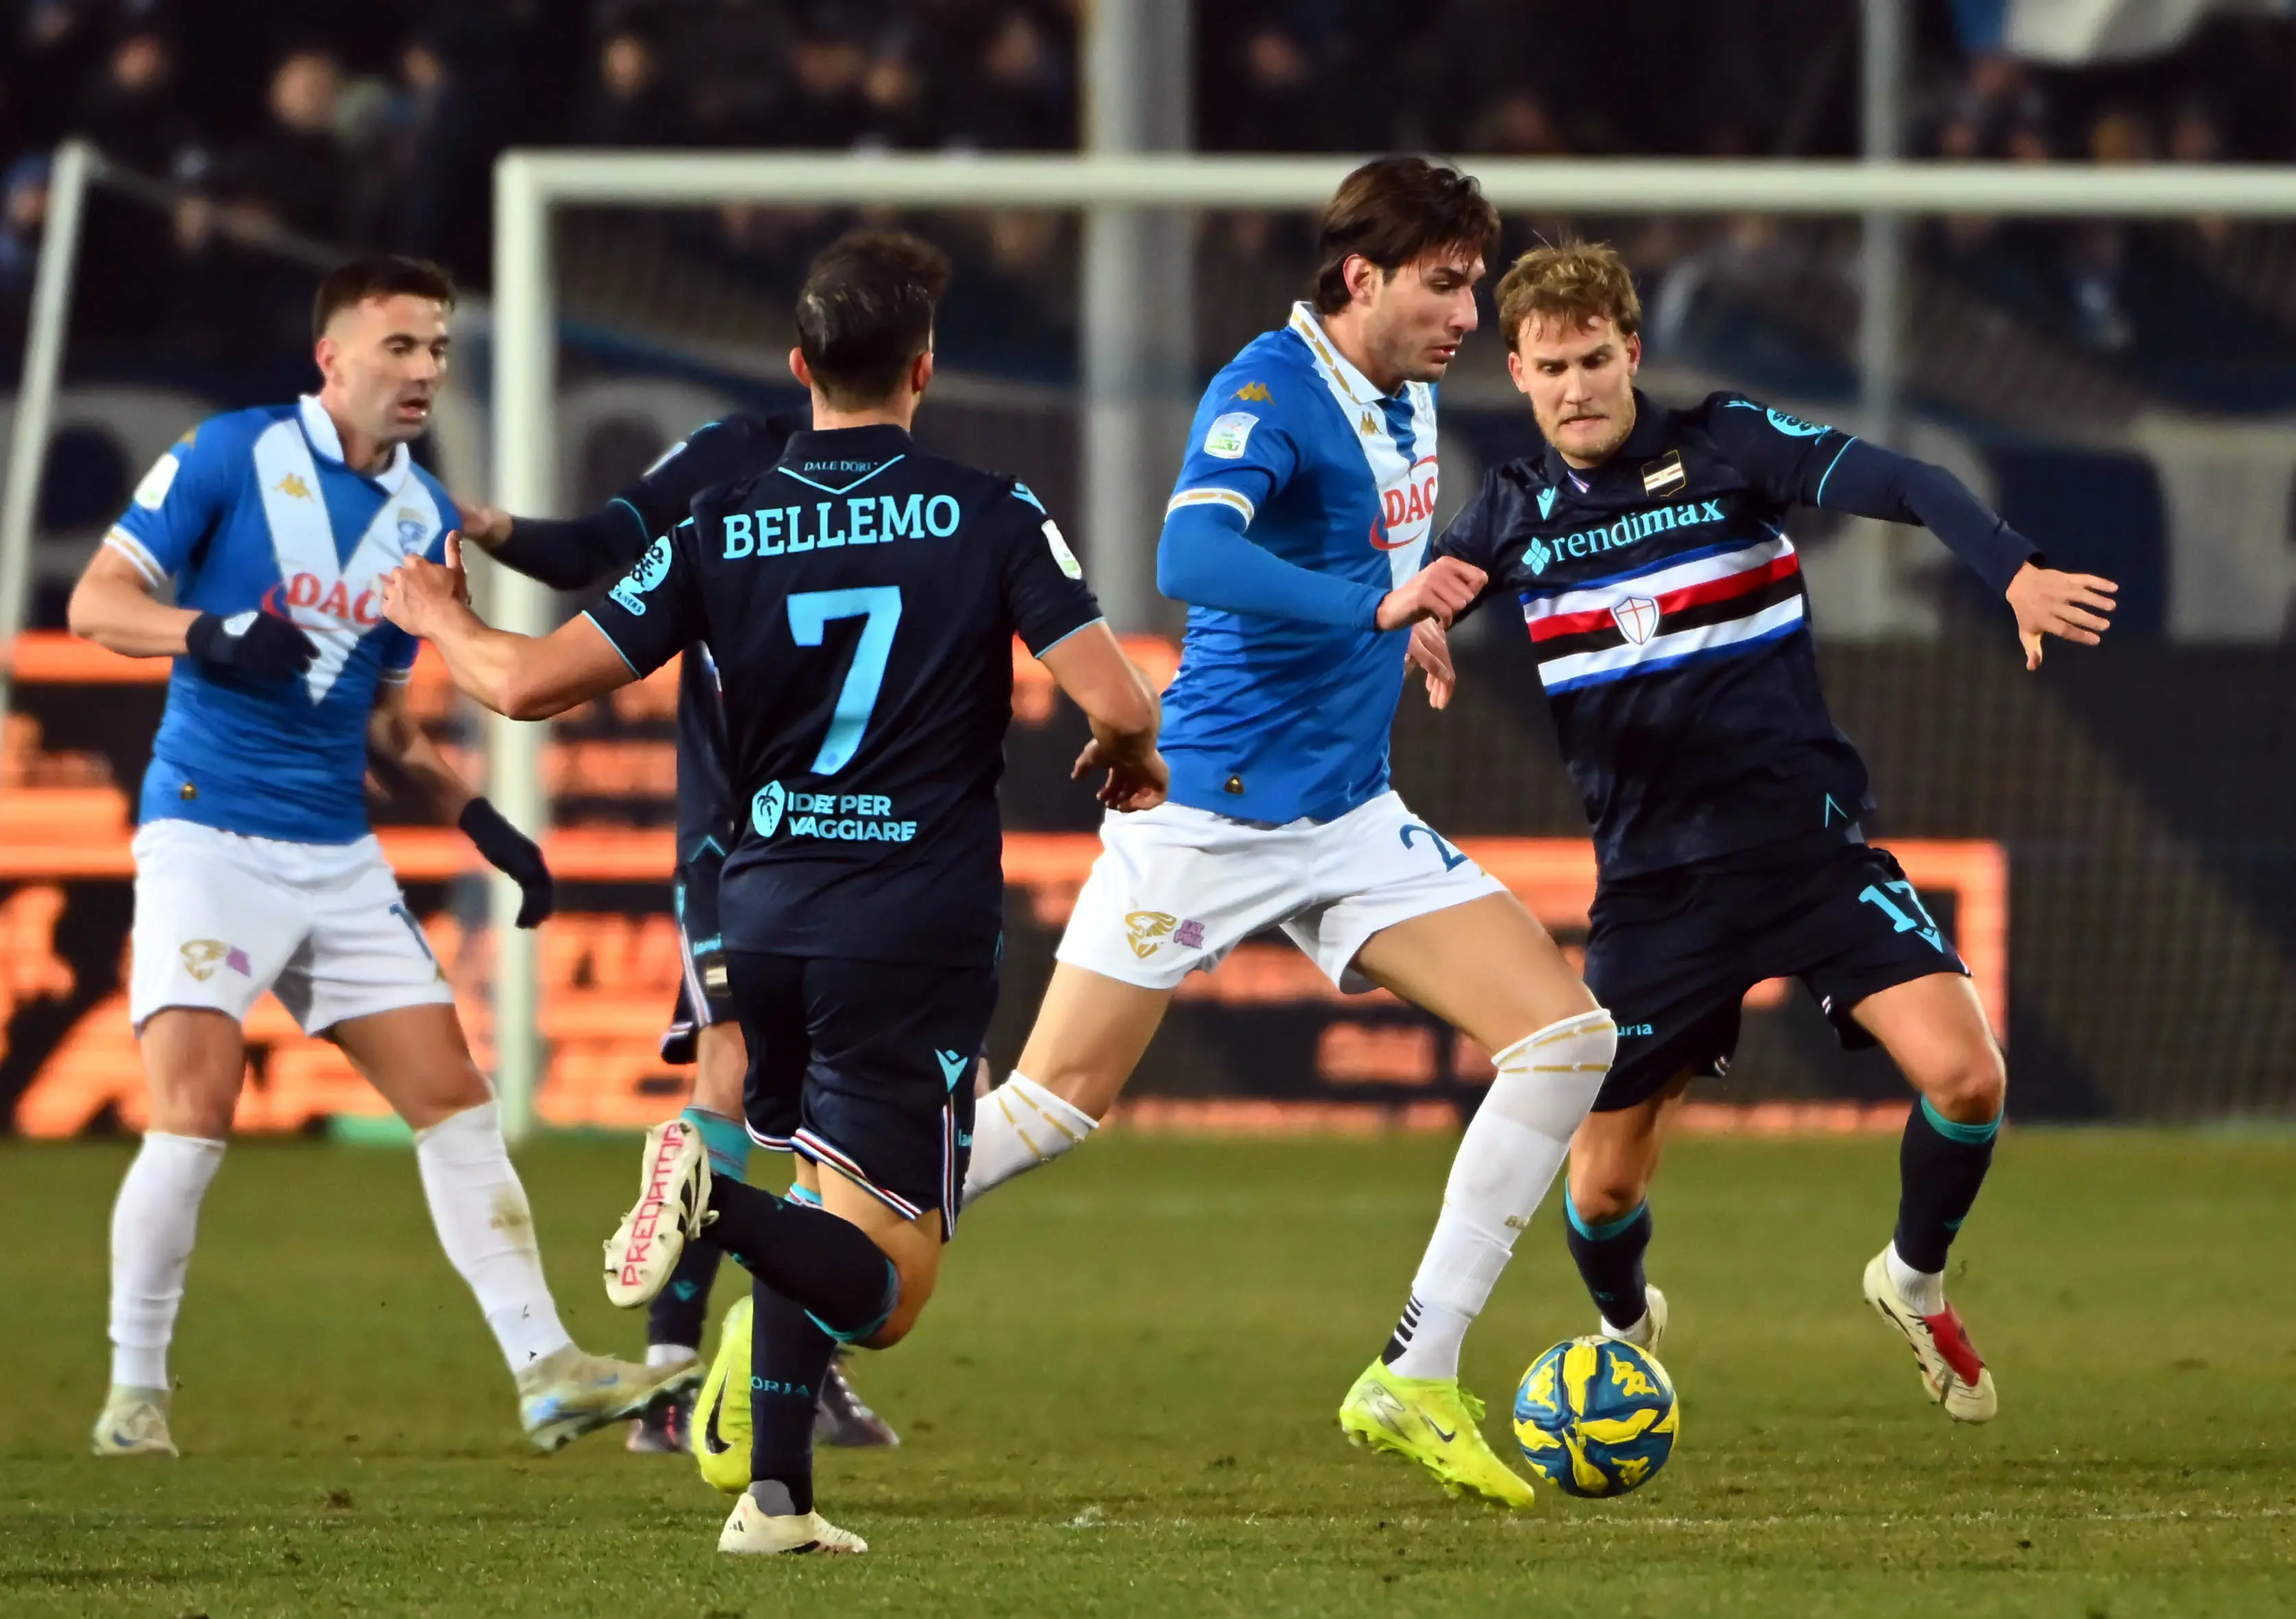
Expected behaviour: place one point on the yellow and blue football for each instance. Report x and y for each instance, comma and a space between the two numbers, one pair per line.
1596, 1417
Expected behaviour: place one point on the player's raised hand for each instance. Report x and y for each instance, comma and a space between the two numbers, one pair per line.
1431, 654
1134, 782
419, 593
1441, 591
488, 525
2071, 606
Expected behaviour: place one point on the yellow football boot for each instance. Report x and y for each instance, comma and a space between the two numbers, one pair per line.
1436, 1423
721, 1417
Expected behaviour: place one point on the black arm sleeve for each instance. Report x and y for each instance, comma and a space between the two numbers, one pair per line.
574, 553
1869, 482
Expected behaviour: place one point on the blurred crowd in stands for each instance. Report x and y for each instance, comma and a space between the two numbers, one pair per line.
377, 124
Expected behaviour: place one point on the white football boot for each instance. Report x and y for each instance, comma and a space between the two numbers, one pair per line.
673, 1206
134, 1422
1646, 1333
753, 1532
564, 1396
1952, 1371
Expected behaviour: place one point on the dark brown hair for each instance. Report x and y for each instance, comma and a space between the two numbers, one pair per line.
1576, 283
378, 276
1395, 211
865, 312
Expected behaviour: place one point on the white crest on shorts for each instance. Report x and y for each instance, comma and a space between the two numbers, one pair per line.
1636, 617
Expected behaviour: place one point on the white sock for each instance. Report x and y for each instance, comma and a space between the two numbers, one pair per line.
1506, 1160
1924, 1290
671, 1355
1018, 1127
153, 1223
487, 1230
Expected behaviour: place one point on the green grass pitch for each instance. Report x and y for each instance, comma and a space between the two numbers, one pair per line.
1122, 1401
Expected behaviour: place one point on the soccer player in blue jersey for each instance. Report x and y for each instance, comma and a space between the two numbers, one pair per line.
860, 599
576, 553
1665, 603
1295, 536
255, 869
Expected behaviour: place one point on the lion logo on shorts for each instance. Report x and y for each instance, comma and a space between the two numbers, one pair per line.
1145, 931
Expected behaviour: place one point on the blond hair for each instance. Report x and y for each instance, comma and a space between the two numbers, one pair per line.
1576, 283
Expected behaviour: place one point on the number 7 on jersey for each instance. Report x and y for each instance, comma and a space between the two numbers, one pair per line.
809, 612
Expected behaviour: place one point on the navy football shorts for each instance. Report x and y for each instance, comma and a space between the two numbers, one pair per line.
702, 994
867, 1067
1673, 953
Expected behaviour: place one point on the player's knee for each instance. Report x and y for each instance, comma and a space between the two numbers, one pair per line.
916, 1286
1972, 1089
1611, 1193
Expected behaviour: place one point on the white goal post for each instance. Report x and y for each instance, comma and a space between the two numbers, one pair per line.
529, 185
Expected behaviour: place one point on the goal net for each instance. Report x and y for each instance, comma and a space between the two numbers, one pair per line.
2103, 355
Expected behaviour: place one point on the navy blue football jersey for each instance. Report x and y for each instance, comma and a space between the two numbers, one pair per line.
859, 600
1667, 608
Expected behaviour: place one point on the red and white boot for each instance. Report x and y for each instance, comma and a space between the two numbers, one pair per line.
1952, 1370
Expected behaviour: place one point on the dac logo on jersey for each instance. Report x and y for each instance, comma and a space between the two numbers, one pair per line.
766, 809
651, 569
202, 957
1636, 617
1538, 556
303, 593
1407, 509
1255, 391
1226, 438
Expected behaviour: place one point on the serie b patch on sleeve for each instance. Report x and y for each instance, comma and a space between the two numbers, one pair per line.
1062, 555
152, 493
1228, 434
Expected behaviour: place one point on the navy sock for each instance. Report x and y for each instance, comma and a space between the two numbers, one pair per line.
789, 1355
1610, 1257
1940, 1165
826, 1265
680, 1312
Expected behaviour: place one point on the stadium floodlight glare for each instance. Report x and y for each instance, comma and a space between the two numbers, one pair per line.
531, 184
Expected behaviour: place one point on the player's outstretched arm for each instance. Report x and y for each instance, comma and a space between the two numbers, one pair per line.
565, 554
522, 676
1124, 711
112, 606
405, 758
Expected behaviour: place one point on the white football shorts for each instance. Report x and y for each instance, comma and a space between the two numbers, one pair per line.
220, 918
1176, 889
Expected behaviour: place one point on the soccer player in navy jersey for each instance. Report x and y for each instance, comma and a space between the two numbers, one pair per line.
255, 867
1665, 603
1295, 536
576, 553
859, 598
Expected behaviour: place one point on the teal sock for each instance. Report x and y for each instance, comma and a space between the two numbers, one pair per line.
724, 1140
